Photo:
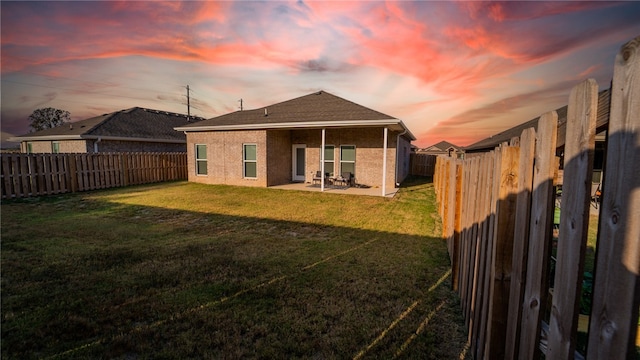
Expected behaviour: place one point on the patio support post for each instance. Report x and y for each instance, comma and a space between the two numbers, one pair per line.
322, 161
384, 162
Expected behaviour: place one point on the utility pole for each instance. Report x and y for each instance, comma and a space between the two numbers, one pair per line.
240, 104
188, 105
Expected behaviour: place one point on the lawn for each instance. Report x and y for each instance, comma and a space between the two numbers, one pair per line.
183, 270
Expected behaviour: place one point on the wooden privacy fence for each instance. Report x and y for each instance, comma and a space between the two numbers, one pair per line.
422, 164
498, 217
26, 175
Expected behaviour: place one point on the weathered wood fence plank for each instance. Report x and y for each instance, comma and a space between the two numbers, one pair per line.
540, 226
25, 175
616, 295
501, 261
576, 197
520, 240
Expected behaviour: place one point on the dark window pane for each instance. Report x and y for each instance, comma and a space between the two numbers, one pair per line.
250, 152
250, 170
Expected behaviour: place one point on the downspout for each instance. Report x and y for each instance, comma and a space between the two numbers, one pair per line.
398, 154
95, 145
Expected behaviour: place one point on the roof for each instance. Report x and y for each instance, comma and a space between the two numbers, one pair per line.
134, 124
316, 110
441, 146
604, 99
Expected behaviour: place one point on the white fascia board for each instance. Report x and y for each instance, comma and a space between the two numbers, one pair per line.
409, 133
294, 125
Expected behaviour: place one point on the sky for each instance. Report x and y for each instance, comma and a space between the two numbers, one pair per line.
458, 71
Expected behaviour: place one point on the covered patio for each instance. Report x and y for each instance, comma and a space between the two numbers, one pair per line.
352, 190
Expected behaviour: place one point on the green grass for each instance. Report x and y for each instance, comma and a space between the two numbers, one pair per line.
183, 270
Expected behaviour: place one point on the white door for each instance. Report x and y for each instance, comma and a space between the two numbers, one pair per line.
298, 162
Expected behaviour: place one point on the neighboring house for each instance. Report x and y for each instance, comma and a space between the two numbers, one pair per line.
131, 130
602, 122
443, 148
281, 143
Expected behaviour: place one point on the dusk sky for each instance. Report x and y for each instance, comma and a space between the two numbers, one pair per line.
454, 71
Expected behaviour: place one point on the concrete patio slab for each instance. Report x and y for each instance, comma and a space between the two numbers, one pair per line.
373, 191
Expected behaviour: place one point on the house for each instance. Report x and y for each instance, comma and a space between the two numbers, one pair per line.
443, 148
281, 143
130, 130
602, 122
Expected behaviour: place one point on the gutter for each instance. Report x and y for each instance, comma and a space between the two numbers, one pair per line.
283, 125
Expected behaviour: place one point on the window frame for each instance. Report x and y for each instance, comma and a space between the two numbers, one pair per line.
55, 147
332, 161
353, 173
200, 160
29, 147
246, 161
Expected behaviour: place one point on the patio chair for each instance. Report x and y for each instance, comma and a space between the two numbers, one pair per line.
344, 179
317, 179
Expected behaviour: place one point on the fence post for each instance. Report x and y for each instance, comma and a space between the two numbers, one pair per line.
124, 169
614, 315
574, 215
73, 171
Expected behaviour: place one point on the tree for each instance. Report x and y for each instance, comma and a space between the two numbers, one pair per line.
47, 118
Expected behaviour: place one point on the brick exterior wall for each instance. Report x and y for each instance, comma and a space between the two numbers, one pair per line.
66, 146
279, 157
135, 146
224, 157
274, 152
369, 152
87, 146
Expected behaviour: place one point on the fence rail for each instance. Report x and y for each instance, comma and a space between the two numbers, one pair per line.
27, 175
498, 216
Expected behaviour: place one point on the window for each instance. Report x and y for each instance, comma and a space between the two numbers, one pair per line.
329, 159
201, 159
250, 161
29, 147
55, 147
348, 159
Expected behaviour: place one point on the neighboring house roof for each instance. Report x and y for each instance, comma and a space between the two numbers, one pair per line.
317, 110
602, 119
135, 124
441, 146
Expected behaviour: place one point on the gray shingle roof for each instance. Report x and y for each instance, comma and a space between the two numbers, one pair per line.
604, 99
443, 146
138, 123
318, 106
